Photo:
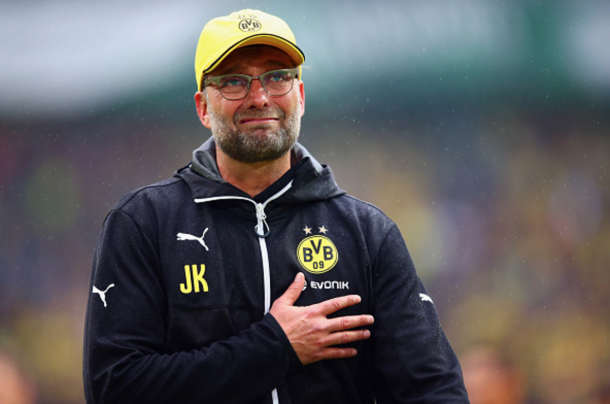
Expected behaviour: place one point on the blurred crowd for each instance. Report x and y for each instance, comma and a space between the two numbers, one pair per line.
506, 215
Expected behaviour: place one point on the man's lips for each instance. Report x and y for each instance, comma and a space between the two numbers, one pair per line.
258, 120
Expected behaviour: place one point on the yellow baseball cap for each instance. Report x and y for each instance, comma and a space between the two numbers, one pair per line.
223, 35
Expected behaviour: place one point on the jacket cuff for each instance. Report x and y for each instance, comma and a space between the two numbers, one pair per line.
294, 363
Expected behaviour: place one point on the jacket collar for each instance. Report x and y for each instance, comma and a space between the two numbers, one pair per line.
312, 181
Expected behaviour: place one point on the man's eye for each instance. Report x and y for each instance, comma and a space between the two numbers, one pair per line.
277, 77
232, 82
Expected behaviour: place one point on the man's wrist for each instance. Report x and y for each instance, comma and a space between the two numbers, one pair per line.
294, 363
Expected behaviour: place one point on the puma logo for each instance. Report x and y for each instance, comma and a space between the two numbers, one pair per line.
425, 298
102, 293
184, 236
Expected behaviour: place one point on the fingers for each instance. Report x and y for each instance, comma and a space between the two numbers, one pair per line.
339, 338
345, 337
332, 305
329, 351
337, 353
294, 290
347, 322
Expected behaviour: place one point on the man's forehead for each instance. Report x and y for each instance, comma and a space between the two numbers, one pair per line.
256, 55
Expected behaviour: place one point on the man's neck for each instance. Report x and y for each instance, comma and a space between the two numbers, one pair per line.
252, 178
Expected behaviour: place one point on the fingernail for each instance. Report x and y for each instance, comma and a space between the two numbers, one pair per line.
367, 333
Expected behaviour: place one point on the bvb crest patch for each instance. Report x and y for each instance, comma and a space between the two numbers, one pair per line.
317, 254
249, 24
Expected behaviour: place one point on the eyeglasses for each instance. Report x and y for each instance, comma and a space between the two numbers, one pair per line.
236, 86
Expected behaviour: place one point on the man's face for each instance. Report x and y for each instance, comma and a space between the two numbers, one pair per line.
259, 127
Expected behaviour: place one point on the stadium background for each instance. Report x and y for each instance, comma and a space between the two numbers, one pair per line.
480, 126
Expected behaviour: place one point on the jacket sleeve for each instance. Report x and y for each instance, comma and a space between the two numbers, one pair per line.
125, 333
414, 362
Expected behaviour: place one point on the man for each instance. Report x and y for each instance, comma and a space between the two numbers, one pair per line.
250, 277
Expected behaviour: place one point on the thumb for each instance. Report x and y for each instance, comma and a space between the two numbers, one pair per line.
294, 290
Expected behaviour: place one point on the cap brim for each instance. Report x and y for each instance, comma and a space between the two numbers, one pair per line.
291, 49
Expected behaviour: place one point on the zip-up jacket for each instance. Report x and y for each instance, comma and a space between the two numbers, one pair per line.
185, 273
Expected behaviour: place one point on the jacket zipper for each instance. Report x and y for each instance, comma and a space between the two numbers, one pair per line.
261, 223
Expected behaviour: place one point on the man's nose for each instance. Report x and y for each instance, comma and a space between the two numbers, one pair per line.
257, 97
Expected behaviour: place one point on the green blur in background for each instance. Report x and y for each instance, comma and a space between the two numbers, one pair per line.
481, 127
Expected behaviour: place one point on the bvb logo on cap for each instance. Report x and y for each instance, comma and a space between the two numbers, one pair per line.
249, 25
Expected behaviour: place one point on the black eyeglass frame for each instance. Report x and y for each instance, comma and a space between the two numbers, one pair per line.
215, 80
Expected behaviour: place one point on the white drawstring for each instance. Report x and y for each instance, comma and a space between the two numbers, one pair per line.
260, 219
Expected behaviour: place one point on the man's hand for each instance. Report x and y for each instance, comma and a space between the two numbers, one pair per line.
311, 333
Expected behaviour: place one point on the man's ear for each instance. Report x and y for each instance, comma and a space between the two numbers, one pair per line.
201, 103
302, 100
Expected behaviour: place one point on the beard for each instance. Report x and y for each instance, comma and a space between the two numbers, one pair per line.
257, 143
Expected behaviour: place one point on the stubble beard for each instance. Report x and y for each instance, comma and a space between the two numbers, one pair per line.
258, 143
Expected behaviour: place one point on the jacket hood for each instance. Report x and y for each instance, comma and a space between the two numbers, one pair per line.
312, 181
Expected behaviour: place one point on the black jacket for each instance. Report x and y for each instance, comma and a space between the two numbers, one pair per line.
185, 273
